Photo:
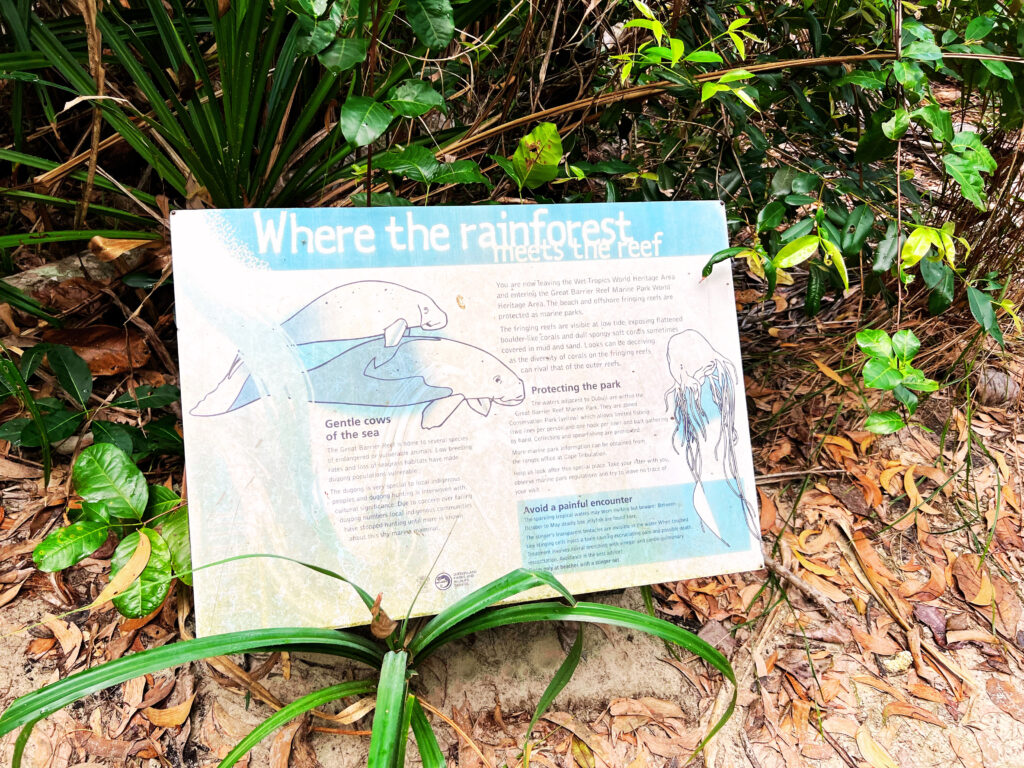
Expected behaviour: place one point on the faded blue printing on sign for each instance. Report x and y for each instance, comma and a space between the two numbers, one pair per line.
611, 529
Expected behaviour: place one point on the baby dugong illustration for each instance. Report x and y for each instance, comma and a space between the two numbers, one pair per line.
352, 311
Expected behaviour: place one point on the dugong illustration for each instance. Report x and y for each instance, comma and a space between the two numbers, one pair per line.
352, 311
423, 370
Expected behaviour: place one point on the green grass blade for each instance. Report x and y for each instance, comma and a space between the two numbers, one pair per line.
20, 743
70, 235
595, 613
20, 158
398, 761
48, 699
426, 742
387, 718
16, 298
561, 678
63, 202
294, 709
500, 589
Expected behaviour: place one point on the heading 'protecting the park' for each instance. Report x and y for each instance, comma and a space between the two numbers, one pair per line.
423, 399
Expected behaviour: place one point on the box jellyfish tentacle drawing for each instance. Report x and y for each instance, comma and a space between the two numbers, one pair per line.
698, 368
353, 311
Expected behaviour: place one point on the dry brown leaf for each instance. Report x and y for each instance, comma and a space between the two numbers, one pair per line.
768, 511
1006, 697
356, 711
971, 636
281, 747
127, 575
170, 717
581, 754
872, 751
926, 692
68, 635
902, 709
973, 580
830, 373
880, 644
13, 470
964, 752
108, 350
110, 248
382, 625
880, 685
570, 723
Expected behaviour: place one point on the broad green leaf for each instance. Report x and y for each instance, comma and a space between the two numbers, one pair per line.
905, 344
508, 167
978, 28
72, 372
58, 425
938, 120
363, 120
908, 398
318, 33
983, 311
710, 89
915, 247
941, 297
377, 200
703, 57
998, 68
343, 54
796, 252
770, 216
148, 591
292, 710
880, 374
174, 530
161, 501
806, 183
897, 125
105, 475
412, 98
743, 95
148, 396
856, 230
970, 145
914, 378
964, 172
432, 20
115, 434
875, 343
46, 700
884, 423
538, 155
923, 51
66, 546
89, 512
387, 717
871, 80
459, 172
415, 162
910, 74
837, 261
31, 359
799, 229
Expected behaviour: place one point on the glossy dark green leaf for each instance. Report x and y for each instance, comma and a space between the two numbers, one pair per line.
148, 396
884, 423
104, 474
718, 257
378, 200
174, 530
147, 592
343, 54
432, 20
318, 33
415, 162
875, 343
908, 398
459, 172
978, 28
72, 372
59, 425
770, 216
115, 434
905, 344
938, 120
363, 120
897, 125
983, 311
66, 546
412, 98
880, 374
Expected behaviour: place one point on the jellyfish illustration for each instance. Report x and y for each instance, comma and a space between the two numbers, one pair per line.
704, 381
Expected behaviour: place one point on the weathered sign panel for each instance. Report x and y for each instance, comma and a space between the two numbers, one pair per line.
436, 396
